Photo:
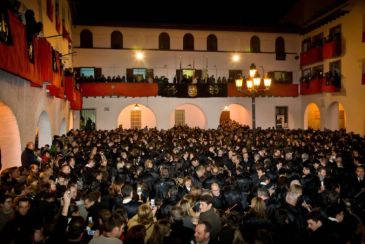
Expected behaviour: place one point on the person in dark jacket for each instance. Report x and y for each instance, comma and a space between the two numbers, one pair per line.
28, 156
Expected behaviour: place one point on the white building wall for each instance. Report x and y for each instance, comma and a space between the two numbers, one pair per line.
211, 107
27, 103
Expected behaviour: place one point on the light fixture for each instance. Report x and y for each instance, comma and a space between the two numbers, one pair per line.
253, 89
235, 58
226, 108
139, 56
136, 107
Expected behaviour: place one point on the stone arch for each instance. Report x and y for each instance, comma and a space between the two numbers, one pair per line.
312, 117
336, 116
44, 130
148, 117
237, 113
10, 144
194, 116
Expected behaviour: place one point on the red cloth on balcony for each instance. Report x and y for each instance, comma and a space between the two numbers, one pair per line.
315, 55
119, 89
50, 9
332, 49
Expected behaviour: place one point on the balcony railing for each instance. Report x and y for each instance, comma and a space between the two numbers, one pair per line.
318, 85
92, 89
311, 56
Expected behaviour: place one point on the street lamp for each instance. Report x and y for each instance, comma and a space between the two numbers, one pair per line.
253, 89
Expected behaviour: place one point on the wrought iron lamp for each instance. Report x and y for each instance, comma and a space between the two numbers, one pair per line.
253, 89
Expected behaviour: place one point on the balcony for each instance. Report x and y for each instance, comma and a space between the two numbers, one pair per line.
36, 62
313, 55
319, 85
95, 89
332, 48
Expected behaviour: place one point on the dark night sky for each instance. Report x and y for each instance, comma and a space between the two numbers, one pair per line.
260, 13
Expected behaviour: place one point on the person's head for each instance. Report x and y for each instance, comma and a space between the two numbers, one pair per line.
90, 199
322, 172
23, 206
336, 211
135, 235
263, 193
72, 187
202, 232
30, 146
75, 228
315, 220
127, 191
161, 229
6, 202
144, 213
215, 189
205, 203
187, 182
360, 172
113, 226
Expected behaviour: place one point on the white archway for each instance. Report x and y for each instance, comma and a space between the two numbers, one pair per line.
148, 117
9, 138
44, 130
193, 116
63, 130
238, 113
336, 117
312, 117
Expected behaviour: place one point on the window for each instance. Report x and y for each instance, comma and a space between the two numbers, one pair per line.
317, 40
212, 43
280, 48
116, 40
88, 119
281, 76
164, 41
87, 72
86, 39
179, 117
188, 42
234, 74
334, 75
136, 122
335, 33
317, 72
306, 44
255, 44
281, 117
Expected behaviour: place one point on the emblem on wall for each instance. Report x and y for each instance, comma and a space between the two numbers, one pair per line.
192, 90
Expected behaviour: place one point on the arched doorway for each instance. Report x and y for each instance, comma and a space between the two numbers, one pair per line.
236, 113
190, 115
10, 145
44, 130
136, 116
336, 117
63, 130
312, 117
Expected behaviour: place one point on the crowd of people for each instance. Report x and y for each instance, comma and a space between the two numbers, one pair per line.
187, 185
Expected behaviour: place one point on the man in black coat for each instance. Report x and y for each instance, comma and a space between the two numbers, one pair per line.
28, 156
